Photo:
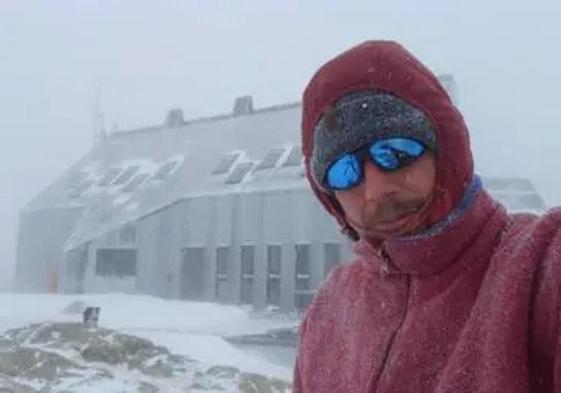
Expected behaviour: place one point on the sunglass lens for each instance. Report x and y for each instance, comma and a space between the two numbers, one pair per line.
384, 157
344, 173
392, 154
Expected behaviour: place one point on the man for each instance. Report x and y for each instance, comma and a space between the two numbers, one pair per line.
447, 292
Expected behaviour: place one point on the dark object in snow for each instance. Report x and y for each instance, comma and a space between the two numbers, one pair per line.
91, 316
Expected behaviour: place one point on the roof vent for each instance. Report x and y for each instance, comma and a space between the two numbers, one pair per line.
243, 106
174, 117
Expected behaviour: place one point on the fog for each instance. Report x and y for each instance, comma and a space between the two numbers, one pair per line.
142, 58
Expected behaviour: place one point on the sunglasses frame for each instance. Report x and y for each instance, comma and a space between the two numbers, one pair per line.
364, 152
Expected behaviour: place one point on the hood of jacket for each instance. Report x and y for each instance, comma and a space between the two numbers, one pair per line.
387, 66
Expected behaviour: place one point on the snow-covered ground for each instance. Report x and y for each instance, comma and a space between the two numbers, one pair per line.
187, 328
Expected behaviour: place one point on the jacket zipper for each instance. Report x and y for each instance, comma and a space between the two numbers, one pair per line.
385, 265
384, 271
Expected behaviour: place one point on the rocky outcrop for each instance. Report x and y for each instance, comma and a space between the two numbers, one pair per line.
67, 357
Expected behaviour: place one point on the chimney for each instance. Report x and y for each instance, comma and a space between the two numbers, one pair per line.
243, 106
174, 117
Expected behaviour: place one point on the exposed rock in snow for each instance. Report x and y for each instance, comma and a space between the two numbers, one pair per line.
69, 357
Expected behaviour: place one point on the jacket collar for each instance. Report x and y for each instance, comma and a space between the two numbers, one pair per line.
435, 249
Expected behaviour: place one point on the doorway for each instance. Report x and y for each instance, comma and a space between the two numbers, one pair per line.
192, 276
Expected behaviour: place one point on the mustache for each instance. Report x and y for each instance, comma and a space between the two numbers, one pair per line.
389, 209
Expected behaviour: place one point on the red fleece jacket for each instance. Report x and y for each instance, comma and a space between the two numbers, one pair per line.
471, 305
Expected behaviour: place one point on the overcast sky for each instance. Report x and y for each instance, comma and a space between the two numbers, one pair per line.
149, 56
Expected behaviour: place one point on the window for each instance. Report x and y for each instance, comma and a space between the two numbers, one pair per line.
247, 257
135, 182
109, 176
165, 170
115, 262
274, 256
126, 175
294, 157
239, 172
225, 163
302, 267
193, 273
332, 256
303, 294
222, 273
270, 159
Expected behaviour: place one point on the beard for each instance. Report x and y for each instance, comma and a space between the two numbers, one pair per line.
391, 217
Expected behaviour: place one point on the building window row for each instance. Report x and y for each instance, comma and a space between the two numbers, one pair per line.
274, 274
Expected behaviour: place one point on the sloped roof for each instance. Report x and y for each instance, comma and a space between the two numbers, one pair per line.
196, 146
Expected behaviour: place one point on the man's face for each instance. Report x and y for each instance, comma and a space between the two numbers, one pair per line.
389, 204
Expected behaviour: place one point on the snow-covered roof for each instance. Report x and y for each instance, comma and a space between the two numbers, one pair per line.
131, 174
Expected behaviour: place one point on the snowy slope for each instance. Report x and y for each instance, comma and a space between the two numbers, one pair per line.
186, 328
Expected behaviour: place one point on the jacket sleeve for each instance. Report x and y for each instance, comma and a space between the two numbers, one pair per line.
557, 358
549, 302
544, 329
555, 277
557, 363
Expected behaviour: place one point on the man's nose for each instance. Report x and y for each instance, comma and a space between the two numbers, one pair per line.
378, 183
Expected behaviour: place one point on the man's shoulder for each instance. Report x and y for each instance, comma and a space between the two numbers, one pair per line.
539, 250
546, 234
543, 229
533, 243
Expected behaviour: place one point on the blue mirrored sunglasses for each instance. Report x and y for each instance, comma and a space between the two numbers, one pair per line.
387, 154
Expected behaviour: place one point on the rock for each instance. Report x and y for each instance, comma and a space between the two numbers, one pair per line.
42, 368
159, 369
280, 385
103, 352
147, 388
5, 343
7, 385
59, 335
138, 346
197, 386
255, 383
33, 363
66, 357
223, 372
